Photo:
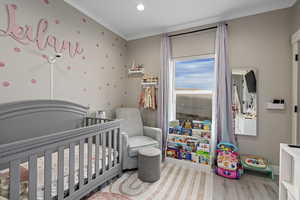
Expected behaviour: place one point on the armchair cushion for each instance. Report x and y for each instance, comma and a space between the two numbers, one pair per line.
132, 122
154, 133
137, 142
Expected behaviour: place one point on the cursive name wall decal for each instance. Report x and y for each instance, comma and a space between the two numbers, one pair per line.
25, 35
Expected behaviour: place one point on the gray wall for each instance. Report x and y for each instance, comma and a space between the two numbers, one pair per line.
261, 41
146, 52
296, 17
97, 79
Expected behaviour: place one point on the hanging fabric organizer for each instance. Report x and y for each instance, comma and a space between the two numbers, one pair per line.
148, 96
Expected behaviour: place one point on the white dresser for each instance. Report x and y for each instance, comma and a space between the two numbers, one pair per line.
289, 176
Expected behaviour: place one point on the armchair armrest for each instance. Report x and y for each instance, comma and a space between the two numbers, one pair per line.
124, 140
154, 133
124, 146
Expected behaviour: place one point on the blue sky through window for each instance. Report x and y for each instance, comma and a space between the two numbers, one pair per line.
195, 74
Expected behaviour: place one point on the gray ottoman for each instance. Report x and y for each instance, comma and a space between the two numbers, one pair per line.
149, 164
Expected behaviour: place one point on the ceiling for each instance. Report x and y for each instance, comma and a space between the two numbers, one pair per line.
122, 17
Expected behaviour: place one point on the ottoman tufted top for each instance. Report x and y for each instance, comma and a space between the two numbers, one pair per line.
149, 152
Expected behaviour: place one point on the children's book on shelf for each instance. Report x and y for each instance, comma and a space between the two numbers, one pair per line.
190, 140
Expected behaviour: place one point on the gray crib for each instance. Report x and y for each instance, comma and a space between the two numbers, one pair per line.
51, 150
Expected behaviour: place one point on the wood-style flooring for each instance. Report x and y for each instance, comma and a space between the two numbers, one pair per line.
187, 181
249, 187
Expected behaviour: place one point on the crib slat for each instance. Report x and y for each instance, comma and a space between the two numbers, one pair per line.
103, 152
115, 149
97, 156
60, 176
109, 148
32, 177
119, 146
90, 150
14, 174
91, 121
47, 175
71, 168
81, 163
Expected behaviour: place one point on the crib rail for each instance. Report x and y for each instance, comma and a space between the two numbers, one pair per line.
99, 144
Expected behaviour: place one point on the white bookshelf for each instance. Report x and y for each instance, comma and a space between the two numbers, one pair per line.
196, 138
289, 175
186, 163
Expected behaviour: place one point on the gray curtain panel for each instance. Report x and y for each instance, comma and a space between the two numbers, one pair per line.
222, 105
164, 90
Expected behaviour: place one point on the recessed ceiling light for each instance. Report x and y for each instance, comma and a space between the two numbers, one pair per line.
140, 7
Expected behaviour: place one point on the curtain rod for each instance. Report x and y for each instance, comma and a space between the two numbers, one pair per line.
200, 30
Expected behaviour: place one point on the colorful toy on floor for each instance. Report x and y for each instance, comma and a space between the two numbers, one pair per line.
227, 161
257, 164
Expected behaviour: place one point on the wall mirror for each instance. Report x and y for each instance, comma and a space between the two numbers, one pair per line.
244, 101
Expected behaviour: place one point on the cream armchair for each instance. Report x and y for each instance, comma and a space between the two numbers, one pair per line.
135, 136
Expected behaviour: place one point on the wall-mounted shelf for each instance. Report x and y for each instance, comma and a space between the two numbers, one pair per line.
150, 84
136, 69
136, 72
275, 106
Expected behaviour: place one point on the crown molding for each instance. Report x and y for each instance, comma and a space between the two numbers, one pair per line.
213, 20
202, 22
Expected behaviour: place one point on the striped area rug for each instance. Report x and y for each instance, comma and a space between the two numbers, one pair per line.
177, 182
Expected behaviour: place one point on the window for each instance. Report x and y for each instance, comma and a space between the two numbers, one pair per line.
194, 82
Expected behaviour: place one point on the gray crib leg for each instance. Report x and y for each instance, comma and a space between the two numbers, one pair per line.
120, 174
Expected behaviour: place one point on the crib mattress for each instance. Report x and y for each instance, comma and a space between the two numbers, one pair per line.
4, 174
